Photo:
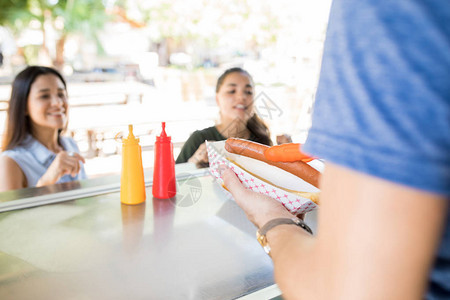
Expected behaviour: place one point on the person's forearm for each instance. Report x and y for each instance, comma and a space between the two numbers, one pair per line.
42, 181
348, 258
290, 243
193, 159
46, 179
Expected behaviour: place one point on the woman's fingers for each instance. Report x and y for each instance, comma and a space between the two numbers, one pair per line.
63, 164
76, 159
68, 166
283, 139
75, 167
202, 153
70, 163
79, 157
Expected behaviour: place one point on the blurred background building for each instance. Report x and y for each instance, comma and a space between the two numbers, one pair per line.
142, 62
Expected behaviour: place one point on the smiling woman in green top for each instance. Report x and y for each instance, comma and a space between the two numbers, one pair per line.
234, 96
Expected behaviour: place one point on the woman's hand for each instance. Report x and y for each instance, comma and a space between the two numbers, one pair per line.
64, 163
259, 208
200, 156
283, 139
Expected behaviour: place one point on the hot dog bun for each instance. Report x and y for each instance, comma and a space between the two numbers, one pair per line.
256, 151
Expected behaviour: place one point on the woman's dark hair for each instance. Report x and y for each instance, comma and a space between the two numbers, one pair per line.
228, 72
18, 124
255, 125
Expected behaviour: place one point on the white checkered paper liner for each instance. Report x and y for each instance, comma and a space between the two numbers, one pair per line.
292, 202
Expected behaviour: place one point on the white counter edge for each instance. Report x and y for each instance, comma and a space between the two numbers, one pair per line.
265, 293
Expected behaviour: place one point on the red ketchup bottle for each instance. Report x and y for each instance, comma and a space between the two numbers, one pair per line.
164, 181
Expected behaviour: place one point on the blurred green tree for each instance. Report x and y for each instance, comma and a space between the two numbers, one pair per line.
63, 17
175, 25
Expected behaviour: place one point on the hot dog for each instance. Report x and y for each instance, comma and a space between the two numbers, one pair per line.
256, 151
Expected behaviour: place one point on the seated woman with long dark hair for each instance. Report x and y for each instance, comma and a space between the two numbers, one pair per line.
34, 151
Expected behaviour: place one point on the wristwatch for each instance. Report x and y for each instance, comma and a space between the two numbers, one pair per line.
261, 233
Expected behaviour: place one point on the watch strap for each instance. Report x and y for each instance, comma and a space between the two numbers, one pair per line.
261, 233
281, 221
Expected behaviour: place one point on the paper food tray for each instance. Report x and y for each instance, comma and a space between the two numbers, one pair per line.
250, 172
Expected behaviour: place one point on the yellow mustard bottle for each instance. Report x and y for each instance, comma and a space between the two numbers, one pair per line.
132, 184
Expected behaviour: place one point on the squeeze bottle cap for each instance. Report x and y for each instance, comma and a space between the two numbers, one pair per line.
131, 139
163, 136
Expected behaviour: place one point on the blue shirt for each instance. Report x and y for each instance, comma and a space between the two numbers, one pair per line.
383, 101
34, 159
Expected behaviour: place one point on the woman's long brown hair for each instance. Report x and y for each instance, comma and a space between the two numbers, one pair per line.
255, 125
18, 124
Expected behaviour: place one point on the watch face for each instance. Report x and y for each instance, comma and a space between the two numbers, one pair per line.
267, 249
263, 241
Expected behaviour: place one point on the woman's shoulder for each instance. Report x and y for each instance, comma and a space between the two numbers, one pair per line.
210, 133
18, 156
8, 160
198, 137
11, 173
8, 154
15, 152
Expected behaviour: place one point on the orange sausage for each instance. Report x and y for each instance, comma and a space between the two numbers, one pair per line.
287, 153
256, 151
